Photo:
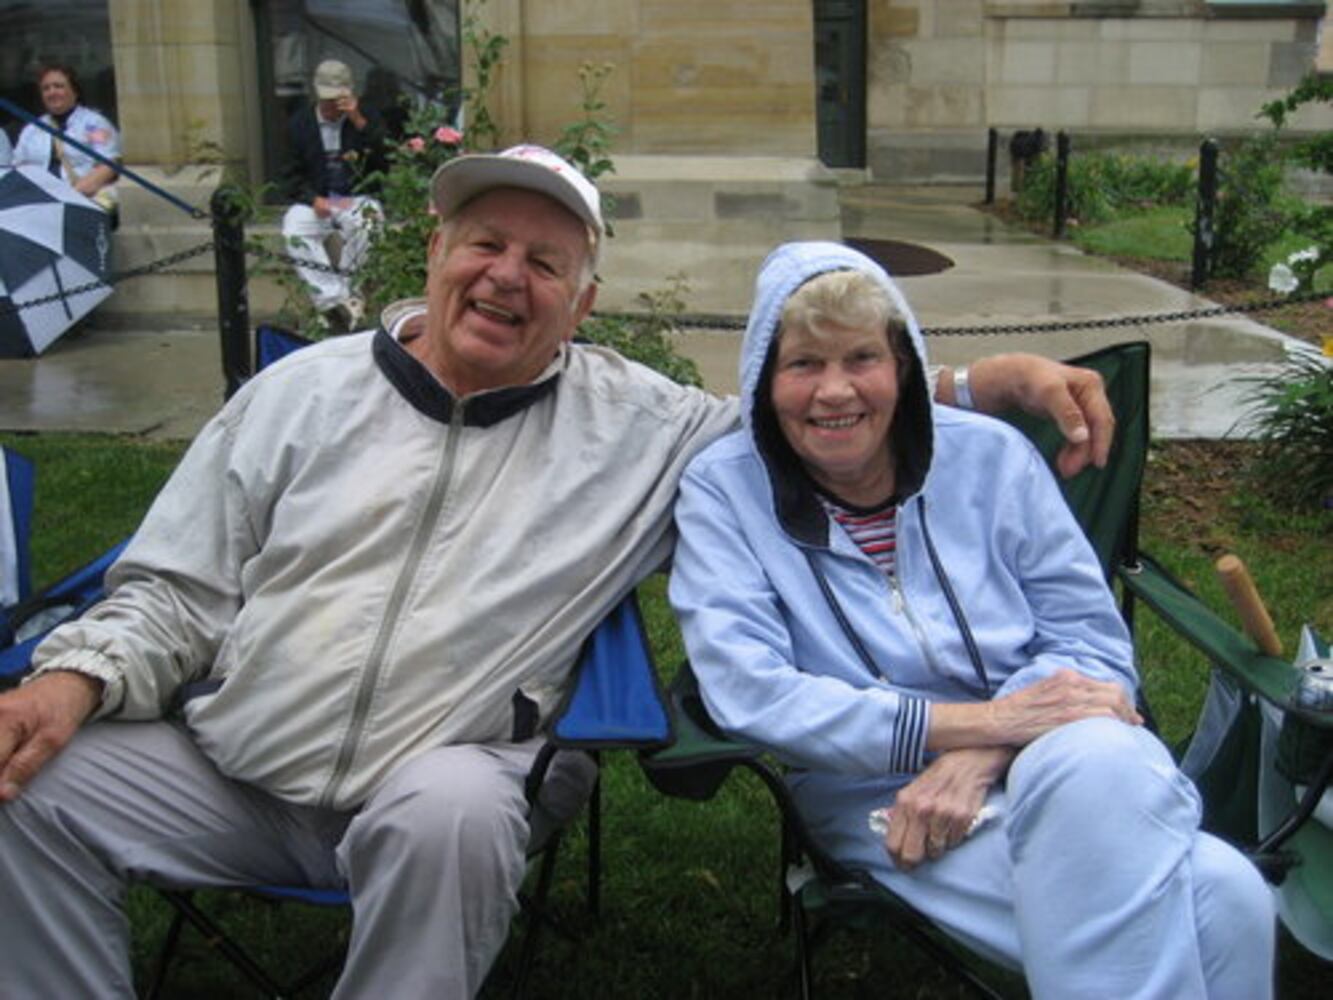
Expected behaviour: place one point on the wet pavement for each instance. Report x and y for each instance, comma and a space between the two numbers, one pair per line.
166, 383
162, 384
1005, 276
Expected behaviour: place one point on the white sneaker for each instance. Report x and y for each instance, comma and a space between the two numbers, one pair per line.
345, 316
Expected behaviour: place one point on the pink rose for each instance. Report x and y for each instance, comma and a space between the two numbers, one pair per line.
416, 144
448, 135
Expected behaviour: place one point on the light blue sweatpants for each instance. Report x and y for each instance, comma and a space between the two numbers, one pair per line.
433, 860
1096, 881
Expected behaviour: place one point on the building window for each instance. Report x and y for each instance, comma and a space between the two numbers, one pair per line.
402, 53
74, 32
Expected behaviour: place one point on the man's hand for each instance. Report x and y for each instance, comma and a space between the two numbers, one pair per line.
37, 720
351, 107
935, 812
1066, 696
1073, 397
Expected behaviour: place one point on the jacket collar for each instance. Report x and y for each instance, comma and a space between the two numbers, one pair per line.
423, 390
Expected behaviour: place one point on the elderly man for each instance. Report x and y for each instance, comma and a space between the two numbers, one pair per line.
365, 586
334, 146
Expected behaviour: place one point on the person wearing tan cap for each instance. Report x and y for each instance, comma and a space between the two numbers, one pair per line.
333, 147
366, 584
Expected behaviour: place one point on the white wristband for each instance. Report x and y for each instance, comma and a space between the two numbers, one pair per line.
962, 393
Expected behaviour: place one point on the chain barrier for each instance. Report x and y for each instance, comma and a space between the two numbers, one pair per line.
160, 266
264, 253
706, 321
115, 277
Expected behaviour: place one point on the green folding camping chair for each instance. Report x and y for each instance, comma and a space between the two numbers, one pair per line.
1262, 752
816, 893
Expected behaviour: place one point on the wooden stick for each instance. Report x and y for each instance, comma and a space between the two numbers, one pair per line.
1248, 604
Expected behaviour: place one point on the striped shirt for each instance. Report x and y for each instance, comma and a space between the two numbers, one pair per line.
873, 530
875, 533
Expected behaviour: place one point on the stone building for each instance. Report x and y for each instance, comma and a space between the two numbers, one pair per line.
736, 120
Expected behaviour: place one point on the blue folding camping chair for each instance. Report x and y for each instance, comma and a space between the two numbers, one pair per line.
25, 617
616, 703
16, 499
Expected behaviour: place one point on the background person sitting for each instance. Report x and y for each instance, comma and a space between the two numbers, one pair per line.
333, 146
894, 598
60, 91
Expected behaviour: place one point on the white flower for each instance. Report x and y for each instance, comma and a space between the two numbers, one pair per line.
1282, 279
1309, 253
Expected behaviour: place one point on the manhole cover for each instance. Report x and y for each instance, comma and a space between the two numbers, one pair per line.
901, 259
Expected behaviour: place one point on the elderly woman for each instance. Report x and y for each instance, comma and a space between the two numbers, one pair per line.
894, 598
59, 88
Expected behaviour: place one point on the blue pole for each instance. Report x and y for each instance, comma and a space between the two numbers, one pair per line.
20, 113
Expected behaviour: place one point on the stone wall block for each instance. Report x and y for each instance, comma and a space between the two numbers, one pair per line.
1022, 107
1026, 64
1243, 64
886, 20
1174, 63
947, 61
1151, 29
1249, 30
944, 107
1289, 62
581, 17
959, 19
1057, 27
196, 22
1138, 108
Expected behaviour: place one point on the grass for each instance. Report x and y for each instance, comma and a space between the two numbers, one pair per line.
1156, 234
688, 891
1162, 233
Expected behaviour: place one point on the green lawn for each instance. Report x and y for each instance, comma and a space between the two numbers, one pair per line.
688, 894
1163, 234
1158, 234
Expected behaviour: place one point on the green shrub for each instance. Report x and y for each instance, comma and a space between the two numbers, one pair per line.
1250, 212
1314, 152
1102, 186
1291, 415
646, 338
395, 264
640, 341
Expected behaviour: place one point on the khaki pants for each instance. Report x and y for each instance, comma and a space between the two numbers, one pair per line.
433, 860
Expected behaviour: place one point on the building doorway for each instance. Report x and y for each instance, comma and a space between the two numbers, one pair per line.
840, 81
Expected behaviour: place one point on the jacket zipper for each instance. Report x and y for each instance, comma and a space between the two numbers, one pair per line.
375, 661
900, 605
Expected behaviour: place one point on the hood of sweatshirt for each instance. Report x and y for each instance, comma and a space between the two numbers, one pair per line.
911, 436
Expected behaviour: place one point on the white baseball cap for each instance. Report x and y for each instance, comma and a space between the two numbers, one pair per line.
333, 79
532, 168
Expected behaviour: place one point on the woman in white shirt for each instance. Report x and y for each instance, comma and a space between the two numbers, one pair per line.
89, 176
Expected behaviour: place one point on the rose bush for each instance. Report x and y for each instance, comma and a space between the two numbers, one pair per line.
395, 266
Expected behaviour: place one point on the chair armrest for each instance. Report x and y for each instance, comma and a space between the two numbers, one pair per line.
1274, 680
617, 700
699, 760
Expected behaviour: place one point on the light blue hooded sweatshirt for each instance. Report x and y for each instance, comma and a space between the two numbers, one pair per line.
801, 644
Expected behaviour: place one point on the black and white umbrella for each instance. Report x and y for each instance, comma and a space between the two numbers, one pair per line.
53, 240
